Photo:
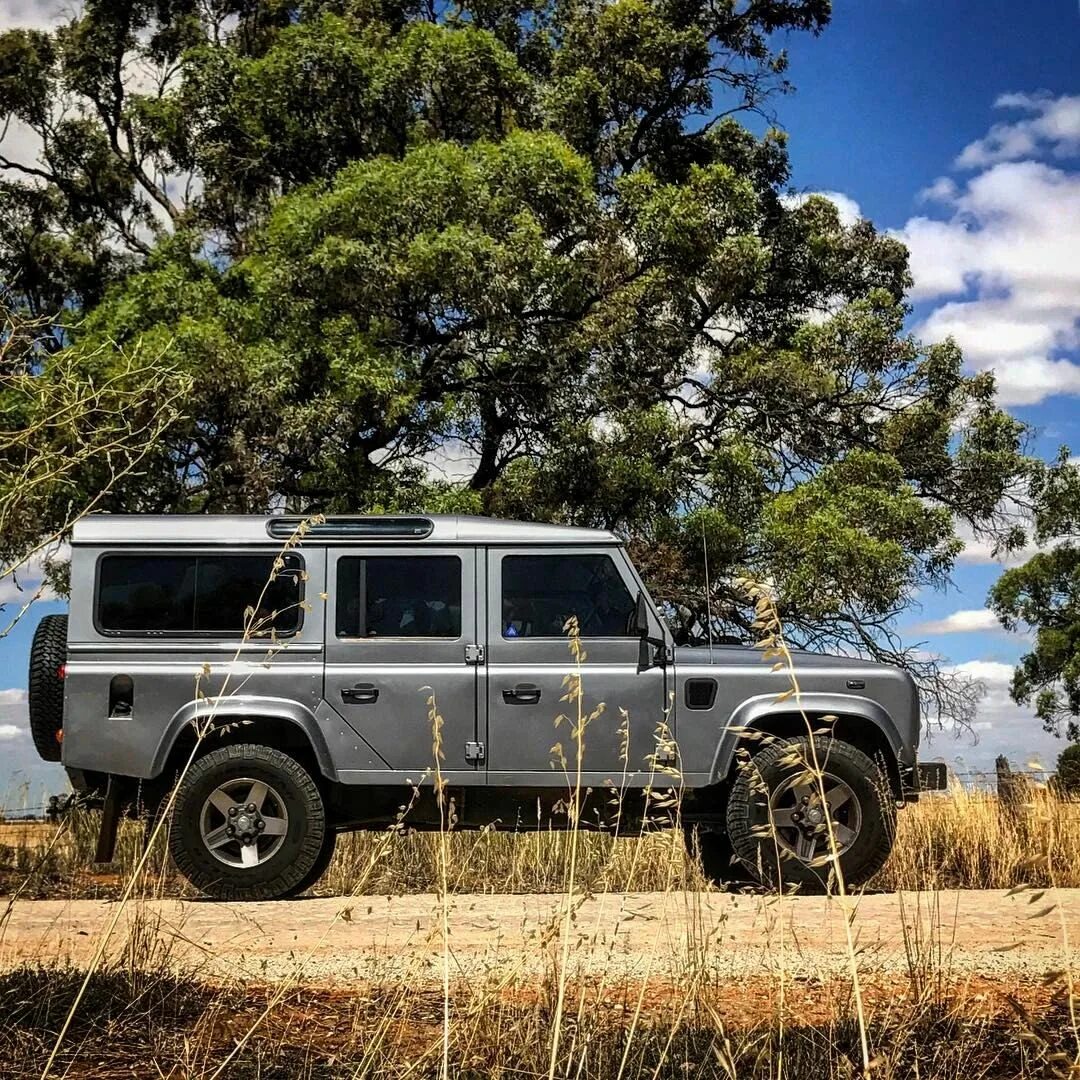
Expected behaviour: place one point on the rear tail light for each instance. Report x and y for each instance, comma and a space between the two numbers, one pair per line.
61, 671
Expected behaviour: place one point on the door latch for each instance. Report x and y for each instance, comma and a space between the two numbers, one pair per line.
474, 654
474, 753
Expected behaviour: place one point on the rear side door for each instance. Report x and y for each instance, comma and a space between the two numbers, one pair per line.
401, 628
531, 593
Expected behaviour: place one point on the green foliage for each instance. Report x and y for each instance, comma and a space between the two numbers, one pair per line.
1067, 777
508, 257
1043, 596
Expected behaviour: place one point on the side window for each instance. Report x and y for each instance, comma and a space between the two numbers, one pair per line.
540, 592
199, 594
407, 596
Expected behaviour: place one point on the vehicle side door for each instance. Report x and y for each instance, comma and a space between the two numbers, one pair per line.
531, 595
401, 629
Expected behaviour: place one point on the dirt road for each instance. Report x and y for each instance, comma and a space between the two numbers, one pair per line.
327, 941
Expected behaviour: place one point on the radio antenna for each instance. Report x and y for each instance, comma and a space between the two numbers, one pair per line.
708, 590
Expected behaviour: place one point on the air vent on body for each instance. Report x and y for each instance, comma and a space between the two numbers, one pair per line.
700, 693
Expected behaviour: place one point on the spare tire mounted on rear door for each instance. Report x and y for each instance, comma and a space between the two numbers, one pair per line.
48, 654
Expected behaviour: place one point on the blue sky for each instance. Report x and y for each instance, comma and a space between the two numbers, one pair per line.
956, 125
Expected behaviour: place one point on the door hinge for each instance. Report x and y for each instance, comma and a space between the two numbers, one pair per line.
474, 654
474, 753
665, 755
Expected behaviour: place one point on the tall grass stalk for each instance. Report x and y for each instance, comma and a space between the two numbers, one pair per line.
445, 824
575, 697
203, 726
767, 619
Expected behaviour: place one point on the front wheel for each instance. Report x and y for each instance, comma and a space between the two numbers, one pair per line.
249, 824
789, 822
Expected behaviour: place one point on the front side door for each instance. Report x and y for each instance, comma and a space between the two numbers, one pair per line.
401, 628
531, 594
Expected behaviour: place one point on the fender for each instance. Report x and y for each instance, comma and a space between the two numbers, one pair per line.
756, 709
246, 707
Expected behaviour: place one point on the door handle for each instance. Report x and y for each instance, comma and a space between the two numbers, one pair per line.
360, 694
525, 694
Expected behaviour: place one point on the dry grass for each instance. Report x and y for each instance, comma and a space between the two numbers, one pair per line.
135, 1024
143, 1014
962, 840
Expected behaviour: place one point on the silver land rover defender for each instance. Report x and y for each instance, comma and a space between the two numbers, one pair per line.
282, 673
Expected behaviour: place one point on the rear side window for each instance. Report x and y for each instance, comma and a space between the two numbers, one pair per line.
389, 596
199, 594
540, 592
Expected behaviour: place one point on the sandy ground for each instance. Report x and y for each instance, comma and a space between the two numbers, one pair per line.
623, 936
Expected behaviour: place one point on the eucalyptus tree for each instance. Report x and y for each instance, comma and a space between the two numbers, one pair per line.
508, 256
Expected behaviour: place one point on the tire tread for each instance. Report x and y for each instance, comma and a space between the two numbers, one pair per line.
296, 875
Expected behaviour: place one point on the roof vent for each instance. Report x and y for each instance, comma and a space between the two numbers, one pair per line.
355, 528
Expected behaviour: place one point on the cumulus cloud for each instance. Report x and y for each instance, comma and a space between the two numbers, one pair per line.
848, 208
1003, 267
1002, 727
25, 780
966, 621
1045, 124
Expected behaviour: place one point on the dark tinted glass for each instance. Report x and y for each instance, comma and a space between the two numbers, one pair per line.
540, 592
137, 594
204, 594
228, 585
412, 596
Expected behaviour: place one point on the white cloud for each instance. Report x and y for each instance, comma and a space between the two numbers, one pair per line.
13, 718
25, 780
21, 587
965, 621
1005, 271
1048, 125
1002, 727
34, 14
848, 208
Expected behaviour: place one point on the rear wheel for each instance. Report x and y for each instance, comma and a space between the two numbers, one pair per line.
48, 653
249, 824
784, 820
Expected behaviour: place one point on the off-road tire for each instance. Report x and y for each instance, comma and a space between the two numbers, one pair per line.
748, 816
321, 863
48, 653
286, 872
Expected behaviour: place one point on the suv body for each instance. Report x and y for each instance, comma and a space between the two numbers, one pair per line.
360, 624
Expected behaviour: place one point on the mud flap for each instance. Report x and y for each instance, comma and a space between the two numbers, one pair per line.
110, 823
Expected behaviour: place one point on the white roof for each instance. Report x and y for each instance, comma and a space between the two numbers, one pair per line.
122, 529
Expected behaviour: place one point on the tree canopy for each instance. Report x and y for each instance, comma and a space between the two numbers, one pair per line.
504, 256
1043, 597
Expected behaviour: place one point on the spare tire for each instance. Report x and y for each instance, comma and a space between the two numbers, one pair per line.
48, 653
